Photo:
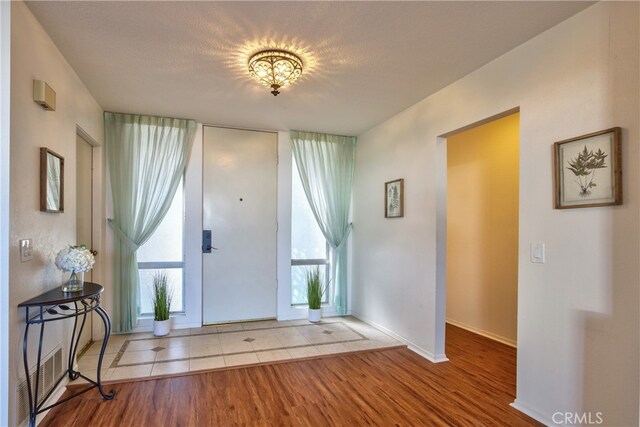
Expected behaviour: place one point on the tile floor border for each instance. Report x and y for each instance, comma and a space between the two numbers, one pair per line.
116, 361
114, 365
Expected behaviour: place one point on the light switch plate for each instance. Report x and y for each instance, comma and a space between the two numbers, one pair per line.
26, 250
538, 253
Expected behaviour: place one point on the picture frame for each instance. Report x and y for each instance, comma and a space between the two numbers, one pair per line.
51, 181
394, 198
588, 170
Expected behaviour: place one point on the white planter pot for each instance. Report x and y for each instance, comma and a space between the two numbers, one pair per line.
161, 327
315, 315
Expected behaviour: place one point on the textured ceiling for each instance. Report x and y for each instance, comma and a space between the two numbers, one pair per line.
364, 61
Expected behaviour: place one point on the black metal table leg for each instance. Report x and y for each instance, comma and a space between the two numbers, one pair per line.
38, 362
107, 333
75, 341
25, 360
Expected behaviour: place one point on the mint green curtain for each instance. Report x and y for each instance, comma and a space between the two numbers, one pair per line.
146, 158
326, 164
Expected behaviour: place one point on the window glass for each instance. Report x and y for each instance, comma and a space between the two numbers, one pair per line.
308, 245
175, 279
299, 282
307, 241
166, 242
164, 251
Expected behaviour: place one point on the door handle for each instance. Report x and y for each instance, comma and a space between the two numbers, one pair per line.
206, 242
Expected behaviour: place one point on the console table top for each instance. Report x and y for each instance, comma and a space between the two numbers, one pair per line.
56, 296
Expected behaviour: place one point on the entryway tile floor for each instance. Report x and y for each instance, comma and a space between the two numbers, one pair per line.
141, 355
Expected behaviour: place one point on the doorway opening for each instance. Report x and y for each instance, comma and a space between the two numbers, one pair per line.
477, 237
478, 170
482, 229
84, 213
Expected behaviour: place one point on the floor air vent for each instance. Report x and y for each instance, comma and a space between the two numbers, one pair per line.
50, 372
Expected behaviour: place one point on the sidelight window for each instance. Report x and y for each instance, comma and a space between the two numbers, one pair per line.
309, 249
164, 252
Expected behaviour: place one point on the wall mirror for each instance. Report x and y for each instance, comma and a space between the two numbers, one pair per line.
51, 181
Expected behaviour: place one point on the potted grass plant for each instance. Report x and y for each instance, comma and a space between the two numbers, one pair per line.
161, 297
315, 292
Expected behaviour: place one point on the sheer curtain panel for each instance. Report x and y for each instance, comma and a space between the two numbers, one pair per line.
146, 159
326, 164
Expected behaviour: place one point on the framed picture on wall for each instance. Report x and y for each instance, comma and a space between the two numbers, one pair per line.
51, 181
394, 199
588, 170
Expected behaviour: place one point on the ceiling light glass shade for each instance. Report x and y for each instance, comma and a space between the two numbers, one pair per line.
275, 68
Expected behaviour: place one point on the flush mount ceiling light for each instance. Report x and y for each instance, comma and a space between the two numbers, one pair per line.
275, 68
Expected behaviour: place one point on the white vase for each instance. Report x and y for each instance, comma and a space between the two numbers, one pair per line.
161, 327
315, 314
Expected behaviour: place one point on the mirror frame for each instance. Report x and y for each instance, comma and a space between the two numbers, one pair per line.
44, 153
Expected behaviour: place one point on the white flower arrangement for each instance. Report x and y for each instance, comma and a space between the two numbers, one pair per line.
77, 259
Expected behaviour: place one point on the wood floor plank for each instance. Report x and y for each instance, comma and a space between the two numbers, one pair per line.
381, 387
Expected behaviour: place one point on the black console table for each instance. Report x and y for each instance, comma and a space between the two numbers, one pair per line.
57, 305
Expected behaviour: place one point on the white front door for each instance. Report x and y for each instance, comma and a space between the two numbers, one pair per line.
239, 196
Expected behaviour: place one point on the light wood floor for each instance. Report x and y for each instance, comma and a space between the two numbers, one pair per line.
380, 387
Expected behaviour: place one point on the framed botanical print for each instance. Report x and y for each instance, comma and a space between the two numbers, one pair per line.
394, 199
588, 170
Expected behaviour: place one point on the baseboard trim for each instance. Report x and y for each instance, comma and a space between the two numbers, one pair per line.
532, 413
435, 358
485, 334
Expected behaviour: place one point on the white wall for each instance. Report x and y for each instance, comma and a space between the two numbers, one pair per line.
578, 313
34, 56
284, 309
5, 122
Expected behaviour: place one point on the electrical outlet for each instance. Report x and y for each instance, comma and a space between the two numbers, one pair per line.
26, 250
